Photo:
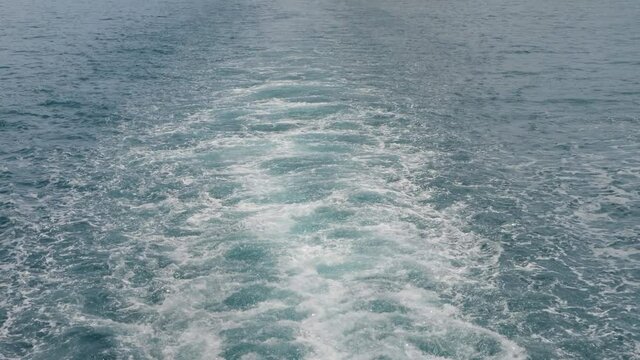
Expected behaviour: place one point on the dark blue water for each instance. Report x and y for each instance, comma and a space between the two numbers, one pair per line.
319, 179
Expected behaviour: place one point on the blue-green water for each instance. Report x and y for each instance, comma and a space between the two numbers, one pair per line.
319, 179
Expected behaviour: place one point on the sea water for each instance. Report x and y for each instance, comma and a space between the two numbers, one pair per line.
319, 179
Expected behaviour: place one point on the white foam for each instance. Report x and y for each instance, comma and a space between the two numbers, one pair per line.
330, 278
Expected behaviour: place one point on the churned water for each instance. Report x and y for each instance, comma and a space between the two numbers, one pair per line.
319, 179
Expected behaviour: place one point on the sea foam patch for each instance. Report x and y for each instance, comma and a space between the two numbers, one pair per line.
375, 289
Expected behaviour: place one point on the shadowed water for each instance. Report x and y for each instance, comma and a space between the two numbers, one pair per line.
320, 180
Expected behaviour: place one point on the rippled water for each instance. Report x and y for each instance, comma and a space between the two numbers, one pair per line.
320, 179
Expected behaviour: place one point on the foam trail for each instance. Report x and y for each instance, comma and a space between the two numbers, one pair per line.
307, 237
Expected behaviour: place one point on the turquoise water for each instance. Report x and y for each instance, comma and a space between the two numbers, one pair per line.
320, 179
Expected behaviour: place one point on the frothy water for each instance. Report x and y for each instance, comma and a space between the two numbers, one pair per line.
328, 180
293, 230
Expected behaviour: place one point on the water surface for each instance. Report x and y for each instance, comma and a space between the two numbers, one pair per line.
320, 179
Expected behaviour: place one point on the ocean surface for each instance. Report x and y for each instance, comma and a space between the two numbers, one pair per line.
321, 179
